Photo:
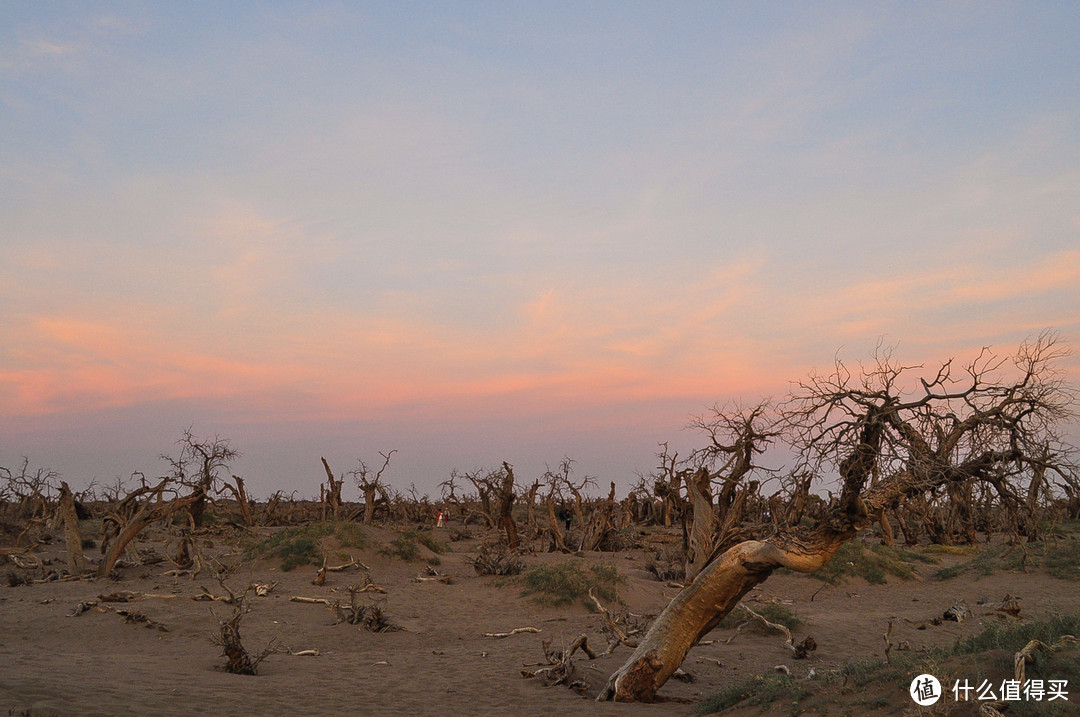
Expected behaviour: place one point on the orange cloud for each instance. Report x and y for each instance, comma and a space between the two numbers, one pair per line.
720, 332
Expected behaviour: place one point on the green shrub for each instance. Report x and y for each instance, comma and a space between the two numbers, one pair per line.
872, 563
432, 543
862, 672
981, 656
303, 544
302, 551
350, 535
1060, 558
1014, 638
403, 546
564, 583
754, 691
998, 645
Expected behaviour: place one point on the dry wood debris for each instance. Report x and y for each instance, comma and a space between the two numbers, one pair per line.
559, 667
515, 631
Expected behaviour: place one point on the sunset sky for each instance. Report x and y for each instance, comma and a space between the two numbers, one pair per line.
475, 232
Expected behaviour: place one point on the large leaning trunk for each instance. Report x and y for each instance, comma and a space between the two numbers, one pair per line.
703, 604
727, 577
942, 433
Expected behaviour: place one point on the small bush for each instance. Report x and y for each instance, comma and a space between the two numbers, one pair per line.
350, 535
862, 672
950, 549
564, 583
754, 691
496, 559
949, 573
301, 551
432, 543
1013, 638
402, 547
303, 544
1063, 560
1060, 558
872, 563
459, 534
1067, 527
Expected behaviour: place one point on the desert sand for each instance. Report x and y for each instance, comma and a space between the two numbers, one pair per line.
100, 662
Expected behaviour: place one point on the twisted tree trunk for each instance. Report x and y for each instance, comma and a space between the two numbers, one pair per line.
703, 529
506, 506
72, 538
155, 508
703, 604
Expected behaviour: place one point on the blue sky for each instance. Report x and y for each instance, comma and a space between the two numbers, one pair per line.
485, 232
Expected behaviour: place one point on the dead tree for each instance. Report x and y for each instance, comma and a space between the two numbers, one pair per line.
152, 508
247, 513
667, 486
700, 543
564, 483
737, 435
560, 484
70, 519
370, 483
25, 499
642, 504
206, 457
238, 660
506, 506
529, 497
558, 540
918, 432
496, 492
448, 490
485, 490
331, 493
600, 528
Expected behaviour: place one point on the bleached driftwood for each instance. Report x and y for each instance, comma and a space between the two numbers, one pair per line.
263, 589
353, 563
800, 650
515, 631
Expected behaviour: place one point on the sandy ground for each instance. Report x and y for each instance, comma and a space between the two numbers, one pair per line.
97, 663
